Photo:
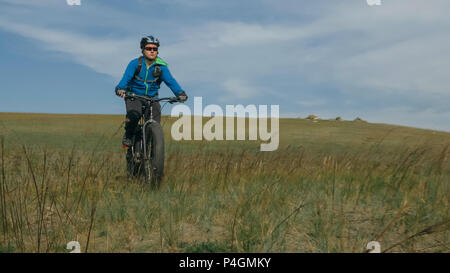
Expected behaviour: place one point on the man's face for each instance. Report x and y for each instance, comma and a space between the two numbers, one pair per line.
151, 51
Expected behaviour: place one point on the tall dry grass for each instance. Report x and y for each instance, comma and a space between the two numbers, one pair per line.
227, 197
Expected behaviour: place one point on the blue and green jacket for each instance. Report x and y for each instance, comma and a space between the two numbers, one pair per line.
148, 86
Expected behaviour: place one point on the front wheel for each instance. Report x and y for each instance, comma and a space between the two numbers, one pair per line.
154, 160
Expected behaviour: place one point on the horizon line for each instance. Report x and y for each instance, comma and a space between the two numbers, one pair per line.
319, 119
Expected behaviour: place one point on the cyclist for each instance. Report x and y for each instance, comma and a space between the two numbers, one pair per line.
143, 76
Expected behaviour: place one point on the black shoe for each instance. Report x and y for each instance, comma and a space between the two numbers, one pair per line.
127, 141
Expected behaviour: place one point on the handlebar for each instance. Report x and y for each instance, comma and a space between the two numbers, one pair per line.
169, 99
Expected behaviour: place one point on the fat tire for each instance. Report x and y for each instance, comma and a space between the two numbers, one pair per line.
155, 150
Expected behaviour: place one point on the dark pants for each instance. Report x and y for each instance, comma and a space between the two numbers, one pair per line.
134, 113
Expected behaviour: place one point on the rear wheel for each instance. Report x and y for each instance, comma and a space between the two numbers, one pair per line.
131, 170
154, 163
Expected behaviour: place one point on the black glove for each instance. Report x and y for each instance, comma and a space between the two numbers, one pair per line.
120, 92
182, 97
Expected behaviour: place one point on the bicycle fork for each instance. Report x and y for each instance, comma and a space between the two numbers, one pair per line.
149, 121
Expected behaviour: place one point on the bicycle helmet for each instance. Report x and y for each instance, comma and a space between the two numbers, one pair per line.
149, 40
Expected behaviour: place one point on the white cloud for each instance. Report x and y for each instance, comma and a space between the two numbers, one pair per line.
237, 89
359, 49
105, 56
240, 34
414, 66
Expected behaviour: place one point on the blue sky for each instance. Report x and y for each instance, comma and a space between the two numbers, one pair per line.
385, 64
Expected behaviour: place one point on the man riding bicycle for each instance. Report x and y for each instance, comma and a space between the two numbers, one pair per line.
143, 76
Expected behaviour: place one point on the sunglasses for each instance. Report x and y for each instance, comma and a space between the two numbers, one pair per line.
151, 48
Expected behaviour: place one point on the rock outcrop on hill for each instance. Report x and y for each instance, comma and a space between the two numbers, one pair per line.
312, 117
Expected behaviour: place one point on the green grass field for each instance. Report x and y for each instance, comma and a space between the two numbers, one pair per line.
332, 186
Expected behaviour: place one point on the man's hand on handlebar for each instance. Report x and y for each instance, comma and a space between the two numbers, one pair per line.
182, 97
121, 93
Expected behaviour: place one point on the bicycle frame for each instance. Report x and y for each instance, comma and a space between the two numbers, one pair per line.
148, 103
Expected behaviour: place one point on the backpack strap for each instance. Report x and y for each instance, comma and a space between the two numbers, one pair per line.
138, 69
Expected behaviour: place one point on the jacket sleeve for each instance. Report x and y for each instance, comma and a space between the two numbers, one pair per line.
170, 81
127, 76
